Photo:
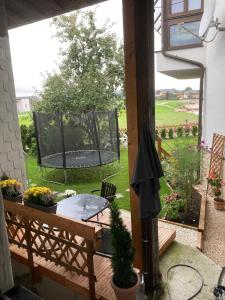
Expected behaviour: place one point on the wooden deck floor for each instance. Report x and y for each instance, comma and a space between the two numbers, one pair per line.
78, 283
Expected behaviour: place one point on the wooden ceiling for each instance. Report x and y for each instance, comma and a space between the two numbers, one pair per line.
22, 12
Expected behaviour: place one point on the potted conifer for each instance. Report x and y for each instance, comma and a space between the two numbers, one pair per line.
125, 280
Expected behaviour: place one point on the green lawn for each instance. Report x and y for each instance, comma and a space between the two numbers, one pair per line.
166, 114
84, 180
25, 118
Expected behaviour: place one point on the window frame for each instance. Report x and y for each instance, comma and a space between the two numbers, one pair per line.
185, 20
173, 19
185, 12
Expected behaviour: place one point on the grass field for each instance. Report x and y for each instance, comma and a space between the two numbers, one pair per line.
85, 180
166, 114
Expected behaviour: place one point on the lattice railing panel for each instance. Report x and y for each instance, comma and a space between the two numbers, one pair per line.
16, 229
59, 246
65, 242
217, 156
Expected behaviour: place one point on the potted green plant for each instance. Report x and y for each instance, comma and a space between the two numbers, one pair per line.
125, 280
11, 189
216, 184
40, 197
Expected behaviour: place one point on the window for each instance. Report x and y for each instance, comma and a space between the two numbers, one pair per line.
175, 12
182, 7
180, 37
194, 4
177, 6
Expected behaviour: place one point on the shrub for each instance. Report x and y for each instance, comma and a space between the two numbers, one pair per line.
172, 209
187, 131
28, 139
194, 130
170, 133
180, 131
163, 133
184, 168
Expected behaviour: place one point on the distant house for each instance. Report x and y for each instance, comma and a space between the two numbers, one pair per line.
26, 103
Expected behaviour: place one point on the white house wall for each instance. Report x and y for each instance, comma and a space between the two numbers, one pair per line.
11, 152
214, 106
181, 70
23, 105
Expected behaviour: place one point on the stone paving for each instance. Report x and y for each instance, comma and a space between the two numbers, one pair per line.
214, 235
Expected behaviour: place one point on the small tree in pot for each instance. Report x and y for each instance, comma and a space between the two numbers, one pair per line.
125, 281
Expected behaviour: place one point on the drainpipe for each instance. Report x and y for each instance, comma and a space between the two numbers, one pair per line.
202, 70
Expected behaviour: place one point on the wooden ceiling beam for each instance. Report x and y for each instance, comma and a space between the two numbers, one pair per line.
22, 12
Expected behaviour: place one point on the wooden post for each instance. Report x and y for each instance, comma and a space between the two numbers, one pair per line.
159, 146
138, 17
3, 20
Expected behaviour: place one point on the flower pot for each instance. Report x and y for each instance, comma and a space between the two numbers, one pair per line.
129, 293
219, 204
18, 198
49, 209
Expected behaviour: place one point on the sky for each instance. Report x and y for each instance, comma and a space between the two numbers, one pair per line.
34, 51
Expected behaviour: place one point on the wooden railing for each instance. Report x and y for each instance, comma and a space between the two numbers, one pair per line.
162, 153
57, 239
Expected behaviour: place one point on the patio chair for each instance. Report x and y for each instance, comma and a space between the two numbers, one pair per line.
107, 191
103, 246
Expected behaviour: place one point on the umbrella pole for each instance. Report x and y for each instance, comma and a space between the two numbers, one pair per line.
6, 276
150, 255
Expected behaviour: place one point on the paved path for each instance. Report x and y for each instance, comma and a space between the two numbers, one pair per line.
214, 235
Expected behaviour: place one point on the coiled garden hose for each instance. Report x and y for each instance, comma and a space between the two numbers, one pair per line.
186, 266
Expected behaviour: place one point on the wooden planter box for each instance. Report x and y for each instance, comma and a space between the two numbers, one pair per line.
49, 209
18, 198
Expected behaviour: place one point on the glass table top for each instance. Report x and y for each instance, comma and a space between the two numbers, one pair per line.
82, 207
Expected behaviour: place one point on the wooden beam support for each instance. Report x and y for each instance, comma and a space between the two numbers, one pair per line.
138, 17
3, 20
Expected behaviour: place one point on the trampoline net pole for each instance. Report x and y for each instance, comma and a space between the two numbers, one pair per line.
117, 134
97, 138
36, 131
62, 139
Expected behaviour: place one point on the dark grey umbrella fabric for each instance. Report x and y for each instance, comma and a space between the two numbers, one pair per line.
147, 172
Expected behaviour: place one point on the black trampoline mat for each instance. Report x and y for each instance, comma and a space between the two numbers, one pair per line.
79, 159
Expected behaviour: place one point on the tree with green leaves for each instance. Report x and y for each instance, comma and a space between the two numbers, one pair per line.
90, 74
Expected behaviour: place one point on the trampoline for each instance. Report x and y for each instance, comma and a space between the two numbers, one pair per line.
71, 141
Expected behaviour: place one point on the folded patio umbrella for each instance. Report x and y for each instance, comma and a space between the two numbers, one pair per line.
145, 183
6, 276
146, 176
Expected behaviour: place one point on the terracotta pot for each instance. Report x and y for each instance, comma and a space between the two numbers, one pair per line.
129, 293
219, 204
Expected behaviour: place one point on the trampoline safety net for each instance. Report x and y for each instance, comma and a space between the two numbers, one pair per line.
77, 141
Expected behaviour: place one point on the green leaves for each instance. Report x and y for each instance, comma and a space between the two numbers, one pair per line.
91, 68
